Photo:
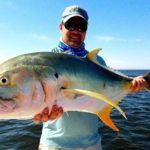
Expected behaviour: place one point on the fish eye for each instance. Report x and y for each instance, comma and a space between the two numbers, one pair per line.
4, 81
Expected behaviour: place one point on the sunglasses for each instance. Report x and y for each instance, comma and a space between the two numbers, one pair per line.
72, 26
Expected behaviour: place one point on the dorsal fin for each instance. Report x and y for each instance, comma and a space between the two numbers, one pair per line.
92, 55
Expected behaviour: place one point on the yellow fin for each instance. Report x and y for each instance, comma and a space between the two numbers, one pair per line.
104, 115
96, 95
92, 55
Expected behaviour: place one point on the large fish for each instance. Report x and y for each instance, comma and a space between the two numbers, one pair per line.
30, 82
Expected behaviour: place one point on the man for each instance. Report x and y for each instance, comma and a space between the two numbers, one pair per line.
74, 130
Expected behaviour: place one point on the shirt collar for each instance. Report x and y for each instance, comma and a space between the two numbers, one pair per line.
81, 51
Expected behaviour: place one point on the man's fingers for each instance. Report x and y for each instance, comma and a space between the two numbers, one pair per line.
138, 83
45, 111
56, 112
60, 111
44, 114
37, 118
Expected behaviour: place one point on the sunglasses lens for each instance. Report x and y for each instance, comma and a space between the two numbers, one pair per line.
74, 26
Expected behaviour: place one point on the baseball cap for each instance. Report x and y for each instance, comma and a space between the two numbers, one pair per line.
73, 11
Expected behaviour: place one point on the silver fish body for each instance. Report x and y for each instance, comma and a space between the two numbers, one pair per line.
30, 82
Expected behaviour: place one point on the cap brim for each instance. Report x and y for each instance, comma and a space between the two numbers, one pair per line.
71, 16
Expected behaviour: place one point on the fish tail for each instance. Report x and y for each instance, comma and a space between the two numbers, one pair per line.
147, 78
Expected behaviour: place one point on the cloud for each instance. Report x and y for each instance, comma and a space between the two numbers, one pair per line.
9, 4
108, 38
138, 40
40, 37
123, 64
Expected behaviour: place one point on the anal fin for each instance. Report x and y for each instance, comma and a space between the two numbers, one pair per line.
104, 115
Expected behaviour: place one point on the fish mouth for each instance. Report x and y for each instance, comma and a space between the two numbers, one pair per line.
7, 105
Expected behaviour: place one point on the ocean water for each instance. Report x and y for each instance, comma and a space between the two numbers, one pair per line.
134, 132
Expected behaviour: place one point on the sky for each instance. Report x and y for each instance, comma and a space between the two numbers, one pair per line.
120, 27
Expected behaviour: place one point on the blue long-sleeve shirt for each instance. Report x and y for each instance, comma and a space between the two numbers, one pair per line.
72, 129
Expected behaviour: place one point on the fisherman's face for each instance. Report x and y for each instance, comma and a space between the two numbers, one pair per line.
73, 31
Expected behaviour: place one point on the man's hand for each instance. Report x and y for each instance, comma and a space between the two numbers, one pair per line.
45, 115
138, 83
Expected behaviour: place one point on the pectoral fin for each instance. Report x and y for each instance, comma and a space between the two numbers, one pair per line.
94, 95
